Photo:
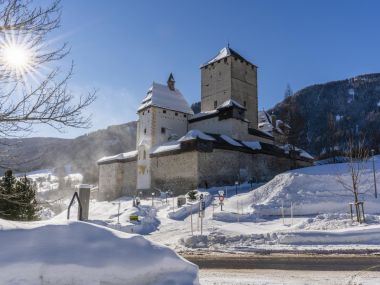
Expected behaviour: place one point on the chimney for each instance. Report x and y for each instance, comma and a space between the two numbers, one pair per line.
171, 82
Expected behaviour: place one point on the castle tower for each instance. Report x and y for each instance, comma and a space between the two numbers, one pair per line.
163, 116
230, 76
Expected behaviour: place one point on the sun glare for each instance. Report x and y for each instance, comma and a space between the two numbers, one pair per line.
16, 57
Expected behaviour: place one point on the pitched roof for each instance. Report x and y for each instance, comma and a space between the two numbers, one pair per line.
226, 52
159, 95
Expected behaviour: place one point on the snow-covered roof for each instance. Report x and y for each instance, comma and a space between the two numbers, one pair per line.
255, 145
161, 96
302, 153
223, 53
194, 134
166, 147
230, 103
203, 114
120, 156
230, 140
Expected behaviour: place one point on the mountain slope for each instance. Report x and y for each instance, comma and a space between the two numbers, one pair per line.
79, 154
325, 115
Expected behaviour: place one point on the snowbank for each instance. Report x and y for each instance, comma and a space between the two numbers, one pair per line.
314, 190
81, 253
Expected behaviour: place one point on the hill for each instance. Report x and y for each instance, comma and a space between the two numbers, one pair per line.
323, 116
72, 155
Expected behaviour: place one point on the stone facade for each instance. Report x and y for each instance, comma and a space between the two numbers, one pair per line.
117, 179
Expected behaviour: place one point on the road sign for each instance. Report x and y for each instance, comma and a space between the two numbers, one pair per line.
203, 205
201, 197
221, 198
221, 193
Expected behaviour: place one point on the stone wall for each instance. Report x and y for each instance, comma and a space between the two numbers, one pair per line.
175, 172
116, 179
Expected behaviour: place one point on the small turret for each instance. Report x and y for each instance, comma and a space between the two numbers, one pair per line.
171, 82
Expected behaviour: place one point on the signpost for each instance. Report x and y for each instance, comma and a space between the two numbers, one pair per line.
374, 172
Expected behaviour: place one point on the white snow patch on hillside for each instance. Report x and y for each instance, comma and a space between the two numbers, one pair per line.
81, 253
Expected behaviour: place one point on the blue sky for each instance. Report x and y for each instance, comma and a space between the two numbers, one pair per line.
119, 47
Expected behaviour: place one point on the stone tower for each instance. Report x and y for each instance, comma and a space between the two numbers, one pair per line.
230, 76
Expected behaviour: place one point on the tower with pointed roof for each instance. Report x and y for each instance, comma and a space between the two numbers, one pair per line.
163, 116
229, 76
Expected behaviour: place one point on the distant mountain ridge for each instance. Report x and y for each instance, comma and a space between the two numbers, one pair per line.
325, 115
79, 154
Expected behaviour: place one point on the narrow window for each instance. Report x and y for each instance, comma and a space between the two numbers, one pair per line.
163, 130
215, 104
184, 115
143, 113
144, 156
225, 60
245, 104
144, 131
176, 114
148, 111
164, 111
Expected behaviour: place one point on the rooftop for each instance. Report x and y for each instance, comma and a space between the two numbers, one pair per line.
159, 95
226, 52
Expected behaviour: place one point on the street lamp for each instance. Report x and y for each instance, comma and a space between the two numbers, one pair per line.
374, 171
153, 198
236, 186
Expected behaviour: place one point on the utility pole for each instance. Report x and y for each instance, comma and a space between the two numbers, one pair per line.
374, 171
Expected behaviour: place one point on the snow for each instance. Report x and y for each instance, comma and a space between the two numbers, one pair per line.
230, 103
315, 190
82, 253
224, 52
255, 145
194, 134
170, 146
119, 156
302, 152
203, 114
230, 140
161, 96
286, 277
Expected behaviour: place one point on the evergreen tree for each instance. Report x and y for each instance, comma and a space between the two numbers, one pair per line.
288, 91
17, 198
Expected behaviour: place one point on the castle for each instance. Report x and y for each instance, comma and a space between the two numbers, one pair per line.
178, 150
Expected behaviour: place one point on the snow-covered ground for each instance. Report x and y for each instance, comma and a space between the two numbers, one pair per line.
251, 220
83, 253
288, 277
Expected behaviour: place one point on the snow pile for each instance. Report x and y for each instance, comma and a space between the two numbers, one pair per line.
81, 253
108, 214
194, 134
191, 207
314, 190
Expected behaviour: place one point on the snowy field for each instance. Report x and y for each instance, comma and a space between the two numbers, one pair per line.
281, 277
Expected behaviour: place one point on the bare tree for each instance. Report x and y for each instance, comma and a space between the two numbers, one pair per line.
357, 154
46, 99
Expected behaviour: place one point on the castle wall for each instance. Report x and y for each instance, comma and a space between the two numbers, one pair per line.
175, 172
116, 179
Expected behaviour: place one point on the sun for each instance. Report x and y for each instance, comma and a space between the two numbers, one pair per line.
17, 56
